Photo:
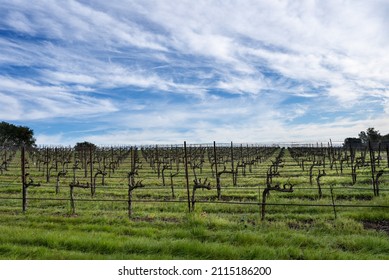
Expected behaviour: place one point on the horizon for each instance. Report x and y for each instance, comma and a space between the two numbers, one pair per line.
155, 72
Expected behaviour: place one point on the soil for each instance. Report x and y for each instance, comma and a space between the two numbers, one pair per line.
377, 225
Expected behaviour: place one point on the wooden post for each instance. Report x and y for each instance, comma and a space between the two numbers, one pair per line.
47, 165
232, 164
187, 175
218, 187
178, 160
264, 195
24, 186
85, 161
333, 201
157, 160
372, 165
130, 201
171, 184
131, 182
56, 158
93, 187
72, 205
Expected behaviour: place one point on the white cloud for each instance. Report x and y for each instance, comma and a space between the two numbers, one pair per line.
247, 65
72, 20
243, 85
20, 22
10, 107
62, 77
33, 101
56, 139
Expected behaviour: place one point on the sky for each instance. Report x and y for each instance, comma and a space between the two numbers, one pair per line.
166, 71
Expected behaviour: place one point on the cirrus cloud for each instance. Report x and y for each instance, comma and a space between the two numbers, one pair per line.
203, 70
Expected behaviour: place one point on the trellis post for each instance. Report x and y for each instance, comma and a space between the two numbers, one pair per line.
187, 175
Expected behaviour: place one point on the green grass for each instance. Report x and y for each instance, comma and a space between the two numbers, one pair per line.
165, 230
188, 236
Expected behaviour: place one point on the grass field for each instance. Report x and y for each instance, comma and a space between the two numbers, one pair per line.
161, 227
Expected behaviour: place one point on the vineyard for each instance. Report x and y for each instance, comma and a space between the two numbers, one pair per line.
222, 199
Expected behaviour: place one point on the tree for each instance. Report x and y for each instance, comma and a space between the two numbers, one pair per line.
353, 142
363, 136
12, 135
385, 138
370, 135
82, 146
373, 135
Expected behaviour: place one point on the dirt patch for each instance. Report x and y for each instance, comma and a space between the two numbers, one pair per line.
363, 197
377, 225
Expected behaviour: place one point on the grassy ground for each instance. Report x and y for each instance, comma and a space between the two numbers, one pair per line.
165, 230
197, 235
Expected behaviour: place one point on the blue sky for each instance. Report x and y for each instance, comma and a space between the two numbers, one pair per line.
164, 71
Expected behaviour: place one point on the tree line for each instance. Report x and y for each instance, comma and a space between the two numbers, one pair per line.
13, 135
364, 137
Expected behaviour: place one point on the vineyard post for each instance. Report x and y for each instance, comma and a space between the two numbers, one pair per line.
47, 165
131, 164
352, 157
131, 182
85, 162
333, 200
129, 202
322, 154
372, 165
93, 187
177, 159
217, 177
259, 196
56, 158
24, 190
353, 152
72, 204
186, 175
74, 160
157, 161
232, 164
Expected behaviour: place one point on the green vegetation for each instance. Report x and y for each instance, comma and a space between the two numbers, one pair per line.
199, 235
160, 227
371, 135
12, 135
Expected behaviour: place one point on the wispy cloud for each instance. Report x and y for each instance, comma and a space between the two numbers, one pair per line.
160, 71
29, 101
